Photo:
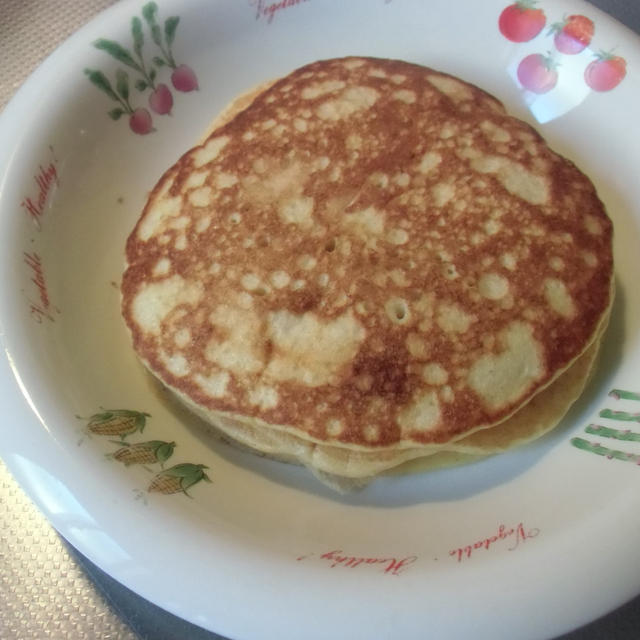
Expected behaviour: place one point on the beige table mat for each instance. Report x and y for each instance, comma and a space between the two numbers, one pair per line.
44, 593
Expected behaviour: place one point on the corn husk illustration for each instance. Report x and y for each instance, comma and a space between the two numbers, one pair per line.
178, 479
150, 452
117, 422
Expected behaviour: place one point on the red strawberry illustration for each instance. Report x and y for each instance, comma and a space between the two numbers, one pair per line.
605, 72
140, 122
537, 73
573, 34
183, 78
521, 21
161, 100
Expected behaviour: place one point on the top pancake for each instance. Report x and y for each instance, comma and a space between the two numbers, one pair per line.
372, 254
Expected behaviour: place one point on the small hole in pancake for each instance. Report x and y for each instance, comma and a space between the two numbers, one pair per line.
400, 311
261, 291
330, 246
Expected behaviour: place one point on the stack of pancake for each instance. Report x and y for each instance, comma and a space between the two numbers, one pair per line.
369, 262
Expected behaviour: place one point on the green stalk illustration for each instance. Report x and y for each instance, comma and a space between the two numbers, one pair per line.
611, 454
620, 415
616, 434
621, 394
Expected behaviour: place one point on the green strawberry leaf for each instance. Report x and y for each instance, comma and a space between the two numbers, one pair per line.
138, 37
170, 26
141, 85
102, 82
152, 75
122, 84
118, 52
116, 113
159, 62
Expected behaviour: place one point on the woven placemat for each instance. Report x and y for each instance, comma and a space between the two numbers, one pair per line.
44, 592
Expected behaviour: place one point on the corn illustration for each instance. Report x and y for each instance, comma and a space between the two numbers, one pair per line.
117, 422
178, 478
149, 452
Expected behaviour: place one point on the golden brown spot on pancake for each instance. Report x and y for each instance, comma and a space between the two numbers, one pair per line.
157, 214
182, 338
155, 300
209, 151
493, 286
515, 178
398, 236
430, 160
556, 263
442, 193
162, 267
215, 384
402, 179
298, 211
497, 378
321, 88
351, 101
434, 374
417, 346
398, 78
176, 364
593, 225
452, 318
334, 427
494, 132
451, 87
423, 414
200, 197
226, 180
300, 125
371, 433
559, 298
237, 343
264, 397
308, 349
196, 179
405, 95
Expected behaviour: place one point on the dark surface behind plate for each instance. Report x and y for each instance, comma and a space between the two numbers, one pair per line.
152, 623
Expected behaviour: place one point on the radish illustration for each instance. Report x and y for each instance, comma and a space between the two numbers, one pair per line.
140, 121
160, 97
161, 100
183, 77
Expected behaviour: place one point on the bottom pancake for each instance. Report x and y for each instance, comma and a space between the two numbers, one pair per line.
346, 469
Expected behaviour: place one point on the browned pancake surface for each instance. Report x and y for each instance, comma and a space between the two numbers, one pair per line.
373, 253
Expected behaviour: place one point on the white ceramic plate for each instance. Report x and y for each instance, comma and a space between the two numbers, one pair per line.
503, 548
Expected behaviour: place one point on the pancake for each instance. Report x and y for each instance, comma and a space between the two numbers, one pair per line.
369, 260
